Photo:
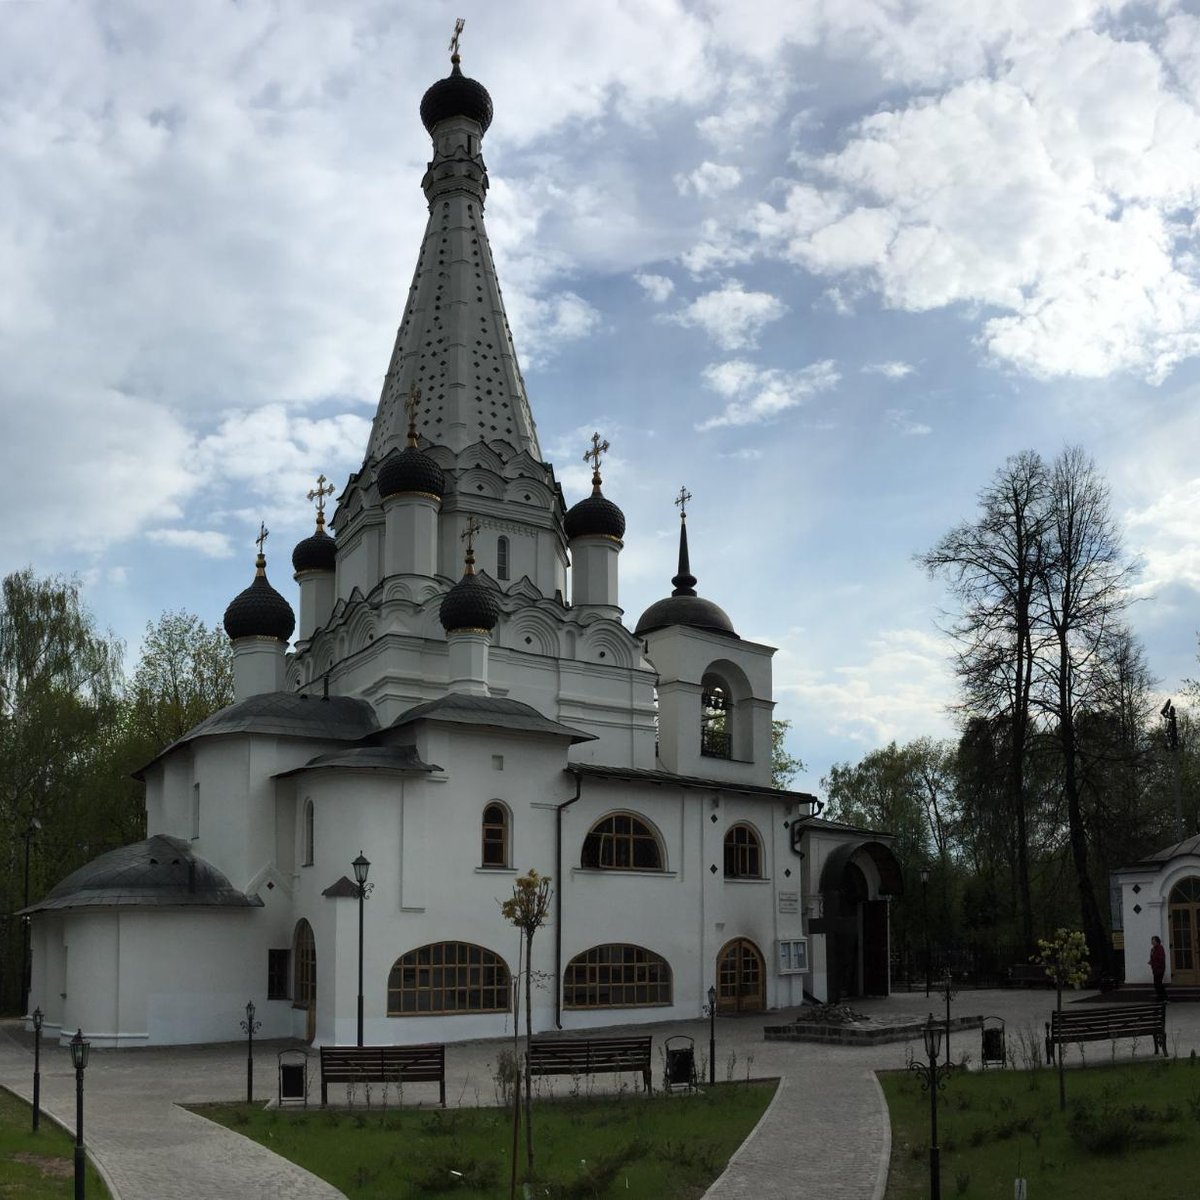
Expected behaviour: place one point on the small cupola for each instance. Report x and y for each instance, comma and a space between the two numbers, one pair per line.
470, 606
259, 623
260, 611
596, 516
456, 95
683, 606
411, 472
318, 552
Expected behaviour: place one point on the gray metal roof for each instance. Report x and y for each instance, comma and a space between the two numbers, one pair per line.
286, 714
667, 779
161, 872
1188, 846
365, 758
492, 712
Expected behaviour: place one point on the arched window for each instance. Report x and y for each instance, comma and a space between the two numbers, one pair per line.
307, 860
495, 835
716, 718
447, 977
502, 557
304, 959
622, 842
743, 853
616, 976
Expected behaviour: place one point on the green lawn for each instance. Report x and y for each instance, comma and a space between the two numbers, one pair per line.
664, 1147
39, 1166
1129, 1130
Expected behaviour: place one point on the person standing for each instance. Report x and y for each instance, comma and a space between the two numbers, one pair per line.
1158, 967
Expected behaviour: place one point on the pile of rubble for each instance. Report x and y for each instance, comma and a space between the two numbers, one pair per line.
830, 1014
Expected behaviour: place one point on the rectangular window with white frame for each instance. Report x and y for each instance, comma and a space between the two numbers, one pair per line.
792, 956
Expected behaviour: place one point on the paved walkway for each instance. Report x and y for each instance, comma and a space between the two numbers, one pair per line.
824, 1137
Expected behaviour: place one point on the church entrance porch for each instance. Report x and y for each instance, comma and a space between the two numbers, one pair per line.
741, 978
1184, 925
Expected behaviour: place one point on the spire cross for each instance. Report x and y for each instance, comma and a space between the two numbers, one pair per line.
458, 28
598, 450
263, 533
681, 500
318, 494
468, 536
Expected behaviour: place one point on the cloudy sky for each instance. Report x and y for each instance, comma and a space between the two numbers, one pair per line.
827, 262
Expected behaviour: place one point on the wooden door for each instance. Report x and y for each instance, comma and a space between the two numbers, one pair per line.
741, 977
1184, 919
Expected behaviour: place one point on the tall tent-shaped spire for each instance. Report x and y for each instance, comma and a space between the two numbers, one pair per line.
454, 342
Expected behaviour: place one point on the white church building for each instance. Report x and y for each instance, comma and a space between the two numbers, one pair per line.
463, 701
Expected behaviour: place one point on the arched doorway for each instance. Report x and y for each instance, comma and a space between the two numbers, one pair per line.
741, 977
1183, 914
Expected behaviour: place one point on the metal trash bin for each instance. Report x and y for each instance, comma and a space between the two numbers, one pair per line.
992, 1051
680, 1069
293, 1077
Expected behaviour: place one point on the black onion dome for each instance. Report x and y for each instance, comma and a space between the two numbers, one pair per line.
595, 515
315, 553
260, 611
694, 611
456, 96
411, 470
470, 604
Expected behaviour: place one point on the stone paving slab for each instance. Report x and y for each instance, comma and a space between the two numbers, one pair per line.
825, 1136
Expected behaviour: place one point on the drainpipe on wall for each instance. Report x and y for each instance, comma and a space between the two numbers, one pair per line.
558, 812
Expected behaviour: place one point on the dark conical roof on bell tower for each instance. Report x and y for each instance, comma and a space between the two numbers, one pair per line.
683, 606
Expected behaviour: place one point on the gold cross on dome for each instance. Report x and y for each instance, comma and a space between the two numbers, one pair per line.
468, 535
598, 450
319, 493
263, 533
458, 28
681, 500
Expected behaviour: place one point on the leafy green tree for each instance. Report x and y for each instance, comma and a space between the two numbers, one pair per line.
784, 766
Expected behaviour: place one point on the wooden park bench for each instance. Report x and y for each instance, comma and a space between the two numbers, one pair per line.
1089, 1024
1028, 975
590, 1056
383, 1064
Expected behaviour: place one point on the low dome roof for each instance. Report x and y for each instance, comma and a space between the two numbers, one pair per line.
685, 610
160, 872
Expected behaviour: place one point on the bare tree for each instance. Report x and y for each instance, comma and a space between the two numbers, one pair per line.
993, 565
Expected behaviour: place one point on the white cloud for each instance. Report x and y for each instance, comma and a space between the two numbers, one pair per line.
207, 542
901, 420
757, 394
708, 179
894, 369
657, 287
731, 315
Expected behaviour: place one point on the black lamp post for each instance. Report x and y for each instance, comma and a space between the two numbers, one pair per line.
30, 829
37, 1066
250, 1027
949, 991
361, 867
80, 1048
933, 1077
712, 1035
925, 921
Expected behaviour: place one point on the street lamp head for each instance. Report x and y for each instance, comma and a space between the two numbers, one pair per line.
361, 867
38, 1017
250, 1011
932, 1032
80, 1047
924, 876
712, 997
